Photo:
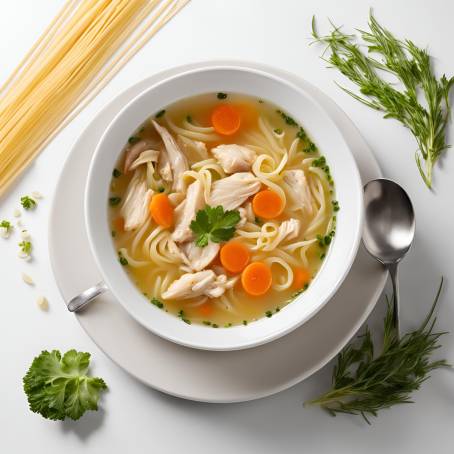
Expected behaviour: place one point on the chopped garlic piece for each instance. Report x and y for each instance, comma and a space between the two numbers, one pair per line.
4, 232
17, 213
24, 256
25, 235
19, 223
37, 195
42, 303
27, 279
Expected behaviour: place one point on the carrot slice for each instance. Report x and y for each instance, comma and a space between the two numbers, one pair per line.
225, 119
301, 277
234, 256
161, 210
119, 224
267, 204
206, 309
256, 278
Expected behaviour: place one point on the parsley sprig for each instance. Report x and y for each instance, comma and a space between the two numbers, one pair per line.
411, 66
364, 383
214, 224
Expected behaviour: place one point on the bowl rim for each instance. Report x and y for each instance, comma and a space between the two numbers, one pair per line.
240, 342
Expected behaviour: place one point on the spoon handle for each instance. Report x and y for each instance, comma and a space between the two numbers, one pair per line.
392, 268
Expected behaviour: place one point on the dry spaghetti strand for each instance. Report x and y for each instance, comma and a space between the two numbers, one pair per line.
81, 50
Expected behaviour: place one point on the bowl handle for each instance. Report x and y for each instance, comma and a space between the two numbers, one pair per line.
81, 300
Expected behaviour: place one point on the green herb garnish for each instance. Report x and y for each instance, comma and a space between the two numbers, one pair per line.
123, 260
244, 322
6, 225
301, 134
411, 66
59, 387
364, 383
133, 139
27, 202
289, 120
214, 325
278, 131
206, 322
116, 173
189, 119
113, 233
156, 303
113, 201
213, 224
310, 148
183, 317
268, 314
335, 204
221, 95
26, 247
160, 113
161, 189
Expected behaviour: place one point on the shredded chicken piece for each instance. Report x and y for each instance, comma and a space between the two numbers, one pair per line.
191, 285
185, 212
164, 168
232, 191
198, 258
136, 202
188, 144
288, 230
234, 158
298, 189
176, 157
144, 158
135, 151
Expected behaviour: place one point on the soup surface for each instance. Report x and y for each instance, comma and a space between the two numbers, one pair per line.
222, 209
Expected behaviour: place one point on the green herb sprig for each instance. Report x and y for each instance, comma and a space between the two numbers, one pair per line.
214, 224
58, 386
411, 66
364, 383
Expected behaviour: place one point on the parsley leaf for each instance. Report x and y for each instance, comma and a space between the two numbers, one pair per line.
58, 387
214, 224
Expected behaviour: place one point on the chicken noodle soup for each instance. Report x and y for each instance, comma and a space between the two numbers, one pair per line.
222, 209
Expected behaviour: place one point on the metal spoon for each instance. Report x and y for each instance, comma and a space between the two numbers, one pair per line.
80, 301
389, 229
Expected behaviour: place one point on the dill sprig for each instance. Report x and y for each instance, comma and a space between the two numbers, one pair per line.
363, 383
426, 119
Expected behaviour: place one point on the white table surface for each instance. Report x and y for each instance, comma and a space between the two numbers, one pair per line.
136, 419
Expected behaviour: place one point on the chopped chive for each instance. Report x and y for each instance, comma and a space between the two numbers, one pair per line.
278, 131
116, 173
161, 189
221, 95
288, 119
301, 134
214, 325
277, 309
142, 129
228, 325
322, 256
189, 118
160, 113
133, 139
335, 205
206, 322
244, 322
113, 201
157, 303
114, 233
261, 101
268, 314
123, 261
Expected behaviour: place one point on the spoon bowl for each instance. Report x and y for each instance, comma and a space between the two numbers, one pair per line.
389, 226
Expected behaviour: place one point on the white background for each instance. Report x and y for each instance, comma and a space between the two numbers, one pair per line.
136, 419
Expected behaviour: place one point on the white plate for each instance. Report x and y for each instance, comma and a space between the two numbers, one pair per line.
195, 374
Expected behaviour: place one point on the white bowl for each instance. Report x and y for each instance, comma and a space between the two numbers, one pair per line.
301, 106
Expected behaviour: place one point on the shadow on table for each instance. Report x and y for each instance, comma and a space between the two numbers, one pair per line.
85, 426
